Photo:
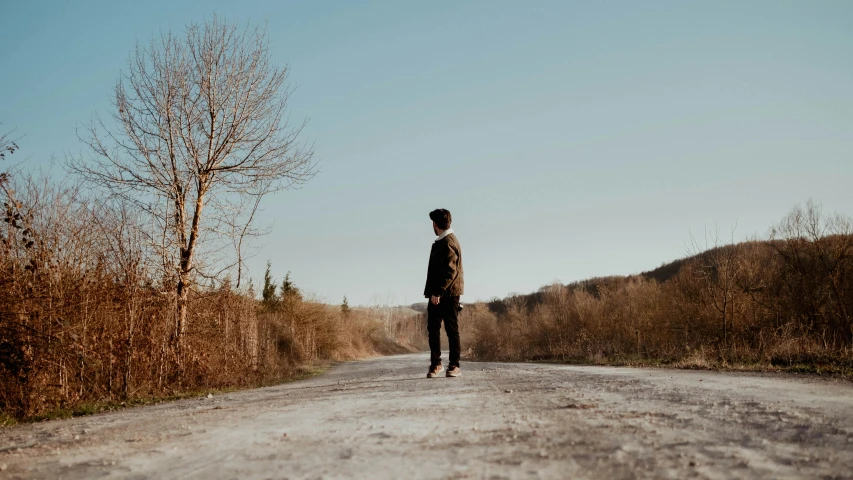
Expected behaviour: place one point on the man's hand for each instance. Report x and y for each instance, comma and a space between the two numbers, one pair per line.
434, 300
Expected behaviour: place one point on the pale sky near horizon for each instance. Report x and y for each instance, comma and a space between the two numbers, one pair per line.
568, 139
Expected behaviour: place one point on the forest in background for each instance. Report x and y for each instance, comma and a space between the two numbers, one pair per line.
781, 303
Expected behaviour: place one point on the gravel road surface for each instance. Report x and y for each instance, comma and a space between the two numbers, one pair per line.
381, 418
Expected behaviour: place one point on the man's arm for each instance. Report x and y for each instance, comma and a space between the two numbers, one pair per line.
449, 260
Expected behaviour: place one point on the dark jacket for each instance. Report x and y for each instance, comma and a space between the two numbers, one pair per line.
444, 274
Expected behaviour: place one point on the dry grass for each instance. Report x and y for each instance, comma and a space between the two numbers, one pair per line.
87, 318
784, 303
94, 348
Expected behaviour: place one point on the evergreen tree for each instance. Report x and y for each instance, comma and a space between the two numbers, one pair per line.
288, 288
251, 289
345, 307
268, 293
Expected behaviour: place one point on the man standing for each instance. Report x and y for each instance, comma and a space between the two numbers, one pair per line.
444, 286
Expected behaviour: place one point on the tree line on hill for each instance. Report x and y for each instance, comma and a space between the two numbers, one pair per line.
785, 301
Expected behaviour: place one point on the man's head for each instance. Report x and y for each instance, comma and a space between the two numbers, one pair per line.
441, 220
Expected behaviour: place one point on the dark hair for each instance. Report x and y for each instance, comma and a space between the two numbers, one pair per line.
441, 217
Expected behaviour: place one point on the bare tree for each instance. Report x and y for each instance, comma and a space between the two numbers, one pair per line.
7, 147
817, 252
200, 126
720, 271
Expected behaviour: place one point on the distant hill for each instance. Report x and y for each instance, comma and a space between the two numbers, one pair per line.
666, 271
661, 274
671, 269
594, 285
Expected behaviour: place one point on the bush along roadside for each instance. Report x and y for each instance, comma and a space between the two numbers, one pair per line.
783, 304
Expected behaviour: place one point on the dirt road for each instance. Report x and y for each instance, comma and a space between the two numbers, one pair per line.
381, 419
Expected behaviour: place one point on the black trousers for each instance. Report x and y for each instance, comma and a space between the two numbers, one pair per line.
447, 311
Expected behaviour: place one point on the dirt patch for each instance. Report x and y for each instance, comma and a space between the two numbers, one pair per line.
382, 418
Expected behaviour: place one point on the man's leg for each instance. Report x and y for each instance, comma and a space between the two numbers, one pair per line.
451, 326
434, 330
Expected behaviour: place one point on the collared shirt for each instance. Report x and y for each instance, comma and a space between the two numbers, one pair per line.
444, 234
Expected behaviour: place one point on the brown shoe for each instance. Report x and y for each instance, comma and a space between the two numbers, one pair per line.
434, 371
454, 372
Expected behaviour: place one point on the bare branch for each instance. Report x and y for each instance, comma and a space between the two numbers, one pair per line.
199, 135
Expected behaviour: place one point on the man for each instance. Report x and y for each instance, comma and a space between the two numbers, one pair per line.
444, 286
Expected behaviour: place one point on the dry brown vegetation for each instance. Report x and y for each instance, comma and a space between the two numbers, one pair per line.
199, 134
84, 318
785, 302
115, 284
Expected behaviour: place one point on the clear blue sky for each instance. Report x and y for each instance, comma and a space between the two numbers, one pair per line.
568, 139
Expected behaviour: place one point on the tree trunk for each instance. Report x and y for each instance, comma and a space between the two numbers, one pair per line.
183, 297
186, 266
